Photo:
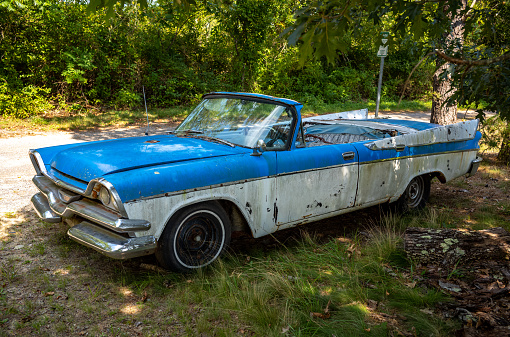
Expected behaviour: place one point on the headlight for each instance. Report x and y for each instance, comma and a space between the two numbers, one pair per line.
104, 196
103, 193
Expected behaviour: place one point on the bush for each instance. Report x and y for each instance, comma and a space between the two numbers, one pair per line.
127, 99
23, 103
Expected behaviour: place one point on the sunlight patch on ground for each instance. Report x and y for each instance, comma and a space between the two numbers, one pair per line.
131, 309
8, 221
126, 291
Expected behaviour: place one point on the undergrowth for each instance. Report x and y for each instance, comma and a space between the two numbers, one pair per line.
341, 286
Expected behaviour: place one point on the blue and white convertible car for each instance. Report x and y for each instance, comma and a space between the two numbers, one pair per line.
240, 162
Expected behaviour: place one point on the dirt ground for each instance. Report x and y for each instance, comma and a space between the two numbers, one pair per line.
32, 253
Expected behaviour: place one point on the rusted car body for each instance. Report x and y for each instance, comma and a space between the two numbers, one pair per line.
241, 162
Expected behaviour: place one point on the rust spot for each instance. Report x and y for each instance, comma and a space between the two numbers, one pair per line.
248, 207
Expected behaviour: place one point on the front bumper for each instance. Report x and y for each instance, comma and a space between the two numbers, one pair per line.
105, 231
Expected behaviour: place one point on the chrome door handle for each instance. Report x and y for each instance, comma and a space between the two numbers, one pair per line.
348, 155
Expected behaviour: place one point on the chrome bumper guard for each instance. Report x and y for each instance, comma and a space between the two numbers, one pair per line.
474, 166
85, 208
104, 234
112, 244
42, 208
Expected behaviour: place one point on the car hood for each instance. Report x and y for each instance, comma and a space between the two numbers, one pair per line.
98, 159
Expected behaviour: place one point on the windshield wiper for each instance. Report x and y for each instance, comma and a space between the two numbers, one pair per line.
218, 140
193, 131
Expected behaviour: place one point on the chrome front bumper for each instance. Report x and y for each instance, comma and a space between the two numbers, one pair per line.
105, 231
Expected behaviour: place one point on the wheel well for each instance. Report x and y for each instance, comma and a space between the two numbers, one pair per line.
439, 176
237, 219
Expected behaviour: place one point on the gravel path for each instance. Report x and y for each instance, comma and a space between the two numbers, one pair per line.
16, 170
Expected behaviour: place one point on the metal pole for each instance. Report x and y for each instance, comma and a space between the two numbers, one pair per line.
379, 88
146, 113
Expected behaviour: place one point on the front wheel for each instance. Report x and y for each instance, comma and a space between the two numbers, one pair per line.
194, 237
415, 196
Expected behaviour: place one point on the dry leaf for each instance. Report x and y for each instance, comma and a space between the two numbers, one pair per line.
320, 315
153, 267
324, 315
144, 297
372, 305
427, 311
410, 284
49, 293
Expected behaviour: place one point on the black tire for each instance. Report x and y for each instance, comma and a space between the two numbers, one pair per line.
194, 237
416, 195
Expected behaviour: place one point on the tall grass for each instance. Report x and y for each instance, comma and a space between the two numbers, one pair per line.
342, 287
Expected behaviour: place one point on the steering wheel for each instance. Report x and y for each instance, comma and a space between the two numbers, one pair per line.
274, 135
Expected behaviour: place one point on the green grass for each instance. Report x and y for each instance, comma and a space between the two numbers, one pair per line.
308, 287
356, 285
95, 119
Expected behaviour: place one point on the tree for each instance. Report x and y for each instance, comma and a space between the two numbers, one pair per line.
444, 110
472, 57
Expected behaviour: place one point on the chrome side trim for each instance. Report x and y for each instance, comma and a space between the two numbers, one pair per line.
237, 182
415, 156
85, 208
42, 208
474, 166
111, 244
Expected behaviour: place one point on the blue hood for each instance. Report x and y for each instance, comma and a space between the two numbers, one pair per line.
98, 159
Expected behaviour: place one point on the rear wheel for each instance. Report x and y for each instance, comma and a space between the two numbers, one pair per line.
194, 238
415, 196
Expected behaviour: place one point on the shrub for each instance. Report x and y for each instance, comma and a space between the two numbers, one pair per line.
29, 101
127, 99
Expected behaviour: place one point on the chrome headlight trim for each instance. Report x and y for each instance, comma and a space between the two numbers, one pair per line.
37, 162
94, 189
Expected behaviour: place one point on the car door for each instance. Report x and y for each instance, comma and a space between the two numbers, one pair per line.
314, 181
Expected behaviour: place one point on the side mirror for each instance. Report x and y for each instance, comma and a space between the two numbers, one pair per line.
261, 147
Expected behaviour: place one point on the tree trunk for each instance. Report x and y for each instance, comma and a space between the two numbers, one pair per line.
504, 152
444, 112
456, 247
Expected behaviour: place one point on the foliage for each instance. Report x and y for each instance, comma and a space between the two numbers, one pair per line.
480, 65
177, 53
23, 103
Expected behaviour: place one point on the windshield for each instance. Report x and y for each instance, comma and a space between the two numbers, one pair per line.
239, 121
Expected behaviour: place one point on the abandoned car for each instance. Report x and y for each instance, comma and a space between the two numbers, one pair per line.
240, 161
